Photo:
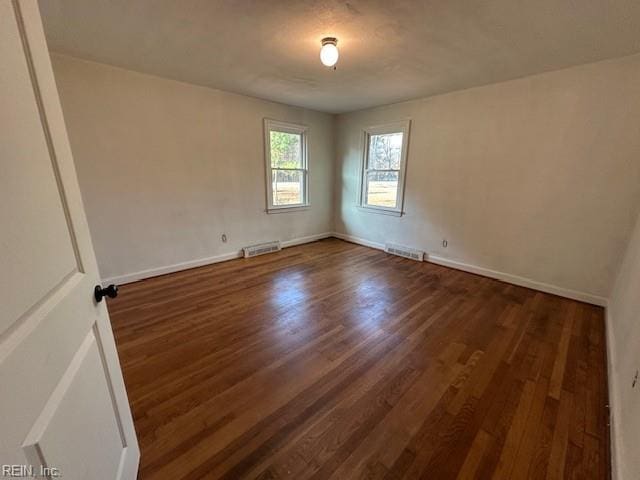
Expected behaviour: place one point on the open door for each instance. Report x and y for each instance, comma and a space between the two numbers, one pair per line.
63, 404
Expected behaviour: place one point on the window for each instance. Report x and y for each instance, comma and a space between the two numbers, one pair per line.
287, 169
384, 164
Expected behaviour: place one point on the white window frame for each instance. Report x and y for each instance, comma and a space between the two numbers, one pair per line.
393, 127
278, 126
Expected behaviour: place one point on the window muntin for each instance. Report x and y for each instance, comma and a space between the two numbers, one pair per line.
286, 162
383, 167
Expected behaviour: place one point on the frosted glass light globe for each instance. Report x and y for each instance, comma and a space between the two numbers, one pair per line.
329, 53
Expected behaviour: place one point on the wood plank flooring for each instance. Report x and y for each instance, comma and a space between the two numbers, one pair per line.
332, 360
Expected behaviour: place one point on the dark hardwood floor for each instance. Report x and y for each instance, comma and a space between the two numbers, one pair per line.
332, 360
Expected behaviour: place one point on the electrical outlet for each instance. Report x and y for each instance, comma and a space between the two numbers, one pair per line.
224, 238
634, 382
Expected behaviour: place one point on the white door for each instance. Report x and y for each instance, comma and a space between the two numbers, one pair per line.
63, 403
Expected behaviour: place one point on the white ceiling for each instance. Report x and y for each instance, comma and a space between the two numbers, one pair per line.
390, 50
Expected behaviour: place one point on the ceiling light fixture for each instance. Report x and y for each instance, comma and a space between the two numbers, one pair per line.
329, 52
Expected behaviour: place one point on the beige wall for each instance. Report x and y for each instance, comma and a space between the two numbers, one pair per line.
166, 167
537, 178
623, 321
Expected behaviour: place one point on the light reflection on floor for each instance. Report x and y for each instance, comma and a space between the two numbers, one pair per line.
288, 288
291, 289
372, 296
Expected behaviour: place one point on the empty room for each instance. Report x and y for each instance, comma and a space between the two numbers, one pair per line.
251, 239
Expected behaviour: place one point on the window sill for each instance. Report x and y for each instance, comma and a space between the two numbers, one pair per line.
381, 211
292, 208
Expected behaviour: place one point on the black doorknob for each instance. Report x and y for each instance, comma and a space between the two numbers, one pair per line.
99, 293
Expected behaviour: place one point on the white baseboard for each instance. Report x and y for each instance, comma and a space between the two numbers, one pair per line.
176, 267
521, 281
486, 272
309, 239
358, 240
614, 414
505, 277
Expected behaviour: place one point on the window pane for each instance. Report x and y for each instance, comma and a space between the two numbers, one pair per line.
382, 189
287, 187
286, 150
384, 151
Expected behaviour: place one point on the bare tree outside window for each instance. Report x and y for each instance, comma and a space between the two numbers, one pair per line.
383, 172
383, 169
286, 168
287, 171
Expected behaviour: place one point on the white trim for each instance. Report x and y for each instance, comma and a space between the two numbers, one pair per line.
401, 126
486, 272
177, 267
614, 414
290, 208
297, 129
521, 281
359, 241
311, 238
380, 210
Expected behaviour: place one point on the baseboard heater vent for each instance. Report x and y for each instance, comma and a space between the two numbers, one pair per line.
261, 249
405, 252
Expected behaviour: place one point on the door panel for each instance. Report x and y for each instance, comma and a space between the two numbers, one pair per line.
63, 403
39, 262
77, 436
